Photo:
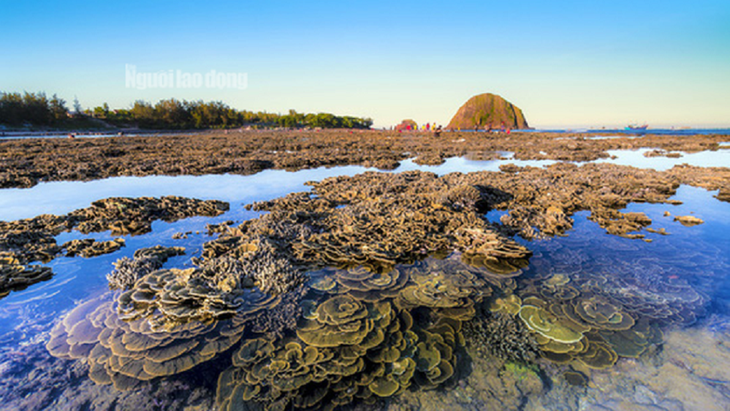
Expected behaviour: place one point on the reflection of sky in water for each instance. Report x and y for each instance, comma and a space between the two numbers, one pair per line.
635, 158
609, 137
60, 197
462, 165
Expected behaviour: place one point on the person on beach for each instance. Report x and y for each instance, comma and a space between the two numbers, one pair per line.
437, 131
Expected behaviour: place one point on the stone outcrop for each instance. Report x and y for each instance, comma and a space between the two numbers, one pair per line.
488, 111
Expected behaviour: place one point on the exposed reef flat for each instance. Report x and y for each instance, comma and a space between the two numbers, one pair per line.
539, 201
24, 163
27, 241
389, 219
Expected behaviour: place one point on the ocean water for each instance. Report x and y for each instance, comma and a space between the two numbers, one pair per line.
624, 132
652, 318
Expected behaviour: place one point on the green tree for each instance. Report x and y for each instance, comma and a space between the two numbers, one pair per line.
77, 106
59, 112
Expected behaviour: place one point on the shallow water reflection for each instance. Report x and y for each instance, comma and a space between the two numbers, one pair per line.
636, 158
64, 196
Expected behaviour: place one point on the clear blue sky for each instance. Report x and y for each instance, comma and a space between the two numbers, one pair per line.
565, 63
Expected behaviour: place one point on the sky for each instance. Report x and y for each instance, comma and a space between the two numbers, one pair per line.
564, 63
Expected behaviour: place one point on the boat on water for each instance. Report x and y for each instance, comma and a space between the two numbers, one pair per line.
634, 127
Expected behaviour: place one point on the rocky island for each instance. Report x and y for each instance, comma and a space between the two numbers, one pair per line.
488, 111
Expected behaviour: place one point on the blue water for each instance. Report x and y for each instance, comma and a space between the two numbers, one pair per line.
658, 131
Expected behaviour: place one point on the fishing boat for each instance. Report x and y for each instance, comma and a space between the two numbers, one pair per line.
634, 127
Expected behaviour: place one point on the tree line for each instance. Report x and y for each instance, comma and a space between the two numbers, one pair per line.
31, 108
38, 110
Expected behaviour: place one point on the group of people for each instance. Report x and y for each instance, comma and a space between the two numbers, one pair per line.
413, 126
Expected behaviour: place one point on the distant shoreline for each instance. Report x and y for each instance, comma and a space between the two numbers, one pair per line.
10, 135
135, 132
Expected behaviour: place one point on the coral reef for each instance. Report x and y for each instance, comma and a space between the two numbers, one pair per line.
345, 296
29, 240
591, 319
25, 162
379, 220
126, 272
124, 352
363, 335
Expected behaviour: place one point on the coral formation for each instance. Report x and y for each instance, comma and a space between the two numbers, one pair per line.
593, 318
29, 240
124, 352
16, 276
379, 220
89, 247
126, 272
498, 332
363, 335
25, 162
689, 220
166, 298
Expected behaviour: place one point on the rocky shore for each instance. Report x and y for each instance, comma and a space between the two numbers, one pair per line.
25, 163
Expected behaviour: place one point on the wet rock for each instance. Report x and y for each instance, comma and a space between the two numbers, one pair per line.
688, 220
576, 378
29, 240
91, 248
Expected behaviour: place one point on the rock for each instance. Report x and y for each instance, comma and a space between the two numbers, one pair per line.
724, 195
488, 110
688, 220
407, 124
